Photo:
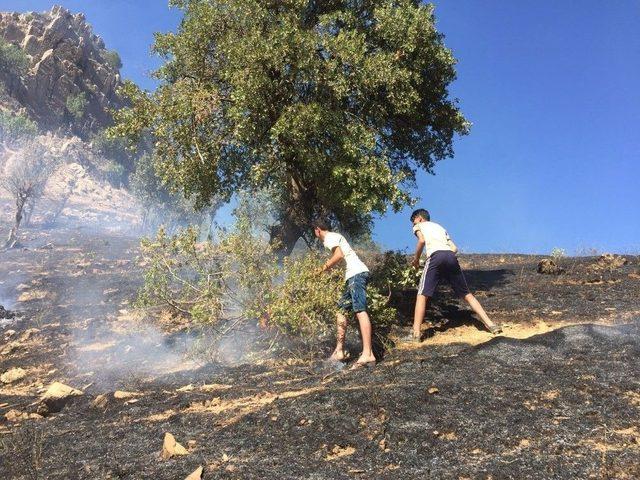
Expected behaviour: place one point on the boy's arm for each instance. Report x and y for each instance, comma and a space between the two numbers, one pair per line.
335, 258
419, 248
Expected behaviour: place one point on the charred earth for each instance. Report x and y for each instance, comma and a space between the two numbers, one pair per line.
556, 396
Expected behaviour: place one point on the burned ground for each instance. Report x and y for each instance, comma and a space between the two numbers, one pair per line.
556, 396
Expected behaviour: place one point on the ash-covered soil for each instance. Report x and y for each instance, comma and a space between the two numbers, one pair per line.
556, 396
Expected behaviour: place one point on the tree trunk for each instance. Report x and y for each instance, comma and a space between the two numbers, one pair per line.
13, 234
295, 217
28, 212
283, 237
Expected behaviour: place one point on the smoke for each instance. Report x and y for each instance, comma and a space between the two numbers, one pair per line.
79, 251
114, 358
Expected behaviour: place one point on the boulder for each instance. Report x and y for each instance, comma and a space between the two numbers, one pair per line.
66, 58
549, 267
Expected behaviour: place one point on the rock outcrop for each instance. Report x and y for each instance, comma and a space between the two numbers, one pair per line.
66, 61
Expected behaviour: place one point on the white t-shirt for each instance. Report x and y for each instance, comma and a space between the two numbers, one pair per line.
435, 237
354, 264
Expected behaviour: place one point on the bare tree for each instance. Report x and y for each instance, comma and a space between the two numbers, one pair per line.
26, 172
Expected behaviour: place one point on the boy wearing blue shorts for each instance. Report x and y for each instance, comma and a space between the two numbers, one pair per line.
441, 264
354, 298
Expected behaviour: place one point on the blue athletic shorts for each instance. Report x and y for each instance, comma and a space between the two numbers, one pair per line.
442, 265
354, 298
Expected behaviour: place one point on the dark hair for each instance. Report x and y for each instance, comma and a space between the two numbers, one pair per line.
421, 212
322, 224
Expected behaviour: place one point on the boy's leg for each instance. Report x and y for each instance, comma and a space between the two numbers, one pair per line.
365, 332
359, 303
461, 289
341, 331
477, 308
426, 288
344, 305
418, 315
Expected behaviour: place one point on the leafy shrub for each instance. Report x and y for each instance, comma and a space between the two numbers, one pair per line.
13, 59
392, 271
558, 253
238, 275
113, 59
77, 105
184, 275
114, 149
114, 173
14, 127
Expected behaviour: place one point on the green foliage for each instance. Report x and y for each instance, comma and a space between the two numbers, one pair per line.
184, 275
113, 172
115, 149
332, 105
304, 304
162, 205
392, 271
239, 272
113, 59
16, 127
13, 59
77, 105
558, 253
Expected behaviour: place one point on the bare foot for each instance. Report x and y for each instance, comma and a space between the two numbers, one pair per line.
337, 356
366, 359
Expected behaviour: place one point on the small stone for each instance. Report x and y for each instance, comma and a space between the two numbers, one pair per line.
58, 395
195, 475
170, 447
13, 375
17, 416
100, 402
432, 390
122, 395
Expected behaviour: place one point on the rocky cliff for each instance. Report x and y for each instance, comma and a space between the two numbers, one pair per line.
70, 79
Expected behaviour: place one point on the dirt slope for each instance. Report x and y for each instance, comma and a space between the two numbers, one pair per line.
557, 396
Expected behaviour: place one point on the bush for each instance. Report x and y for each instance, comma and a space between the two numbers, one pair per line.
114, 149
77, 105
113, 59
114, 173
16, 127
13, 59
392, 271
239, 277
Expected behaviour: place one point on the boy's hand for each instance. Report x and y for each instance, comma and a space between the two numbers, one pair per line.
416, 263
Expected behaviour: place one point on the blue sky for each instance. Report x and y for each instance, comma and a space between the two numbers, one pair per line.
552, 89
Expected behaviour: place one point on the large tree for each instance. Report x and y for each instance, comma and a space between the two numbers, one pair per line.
334, 105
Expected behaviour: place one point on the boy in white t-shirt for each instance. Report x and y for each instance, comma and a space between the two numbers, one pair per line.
354, 299
441, 264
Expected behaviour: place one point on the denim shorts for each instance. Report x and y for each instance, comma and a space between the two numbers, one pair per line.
354, 298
